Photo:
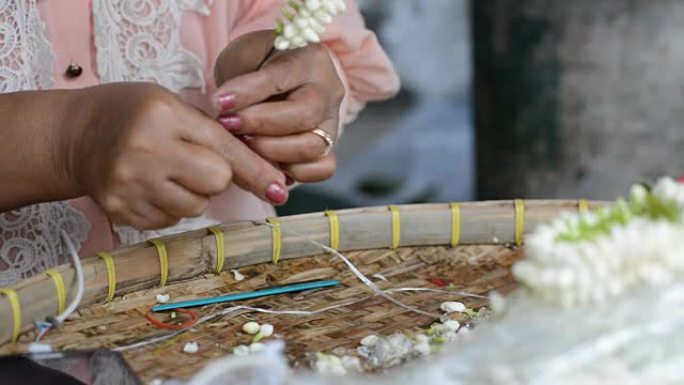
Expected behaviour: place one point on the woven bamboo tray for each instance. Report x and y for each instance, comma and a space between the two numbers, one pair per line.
470, 245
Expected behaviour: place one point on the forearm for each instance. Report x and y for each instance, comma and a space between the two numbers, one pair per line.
32, 150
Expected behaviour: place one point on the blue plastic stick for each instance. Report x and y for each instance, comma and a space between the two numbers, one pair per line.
248, 295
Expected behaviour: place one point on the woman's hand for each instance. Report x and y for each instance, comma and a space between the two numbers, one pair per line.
274, 108
148, 159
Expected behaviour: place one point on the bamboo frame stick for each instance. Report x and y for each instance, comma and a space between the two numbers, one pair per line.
194, 254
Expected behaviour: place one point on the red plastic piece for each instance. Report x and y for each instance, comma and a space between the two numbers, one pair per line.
187, 324
439, 282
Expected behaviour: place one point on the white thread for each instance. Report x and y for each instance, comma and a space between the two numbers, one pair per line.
79, 279
80, 288
383, 293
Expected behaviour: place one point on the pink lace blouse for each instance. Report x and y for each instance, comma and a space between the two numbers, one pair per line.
173, 43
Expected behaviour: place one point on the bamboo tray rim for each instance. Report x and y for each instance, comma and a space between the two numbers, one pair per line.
196, 253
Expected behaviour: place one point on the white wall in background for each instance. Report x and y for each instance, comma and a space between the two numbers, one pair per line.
431, 149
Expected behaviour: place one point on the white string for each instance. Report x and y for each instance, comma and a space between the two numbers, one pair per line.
79, 279
44, 327
233, 309
357, 272
352, 267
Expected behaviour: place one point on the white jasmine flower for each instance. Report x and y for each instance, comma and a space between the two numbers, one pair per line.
386, 352
351, 364
237, 275
304, 23
450, 336
191, 348
251, 328
422, 338
451, 325
329, 364
369, 340
639, 193
241, 350
497, 302
453, 307
256, 347
163, 298
266, 330
422, 348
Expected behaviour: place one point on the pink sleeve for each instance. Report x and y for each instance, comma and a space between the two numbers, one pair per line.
363, 66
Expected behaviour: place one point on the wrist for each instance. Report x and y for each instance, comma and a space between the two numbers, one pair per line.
32, 153
77, 109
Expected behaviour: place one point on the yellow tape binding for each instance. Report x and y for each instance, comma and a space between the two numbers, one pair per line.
163, 260
220, 248
455, 224
111, 274
519, 221
334, 224
396, 227
276, 233
582, 206
59, 289
16, 311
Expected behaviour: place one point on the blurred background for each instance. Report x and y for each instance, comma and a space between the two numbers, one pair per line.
515, 99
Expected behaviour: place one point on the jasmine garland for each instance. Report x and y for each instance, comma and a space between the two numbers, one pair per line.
591, 257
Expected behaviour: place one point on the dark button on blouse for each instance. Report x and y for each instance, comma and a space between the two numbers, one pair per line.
74, 70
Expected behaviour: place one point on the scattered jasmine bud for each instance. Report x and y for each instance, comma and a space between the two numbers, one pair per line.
369, 340
256, 347
450, 335
241, 350
497, 302
422, 338
266, 330
329, 364
422, 348
452, 325
157, 381
163, 298
237, 275
173, 315
453, 307
380, 277
251, 328
191, 347
351, 364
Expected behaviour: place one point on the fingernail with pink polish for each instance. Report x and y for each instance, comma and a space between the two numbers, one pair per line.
227, 101
231, 123
276, 194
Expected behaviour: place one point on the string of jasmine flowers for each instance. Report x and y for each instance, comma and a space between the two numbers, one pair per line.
304, 22
589, 258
